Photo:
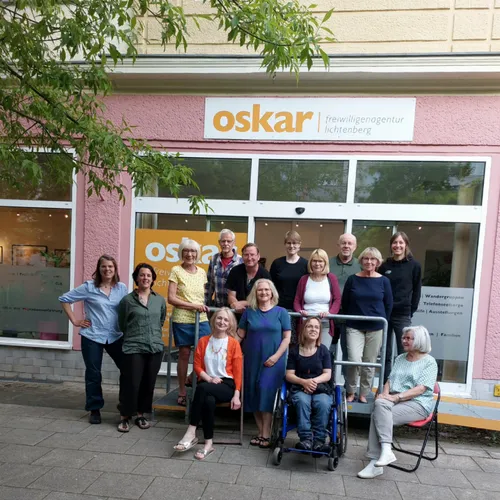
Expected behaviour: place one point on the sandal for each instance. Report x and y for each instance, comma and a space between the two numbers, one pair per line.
124, 425
142, 423
255, 441
350, 397
202, 454
181, 400
265, 443
183, 446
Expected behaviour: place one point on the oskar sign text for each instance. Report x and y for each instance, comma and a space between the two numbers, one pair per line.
310, 119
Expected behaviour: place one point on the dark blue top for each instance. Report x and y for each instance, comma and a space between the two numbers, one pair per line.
309, 366
367, 297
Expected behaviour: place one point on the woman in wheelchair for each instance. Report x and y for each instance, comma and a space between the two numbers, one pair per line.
309, 371
218, 363
407, 397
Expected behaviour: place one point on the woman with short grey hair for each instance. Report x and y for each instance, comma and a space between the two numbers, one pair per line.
407, 397
186, 292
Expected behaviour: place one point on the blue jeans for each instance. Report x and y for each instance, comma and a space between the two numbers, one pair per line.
312, 424
92, 353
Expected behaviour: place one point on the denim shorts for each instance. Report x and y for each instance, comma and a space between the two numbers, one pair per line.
184, 332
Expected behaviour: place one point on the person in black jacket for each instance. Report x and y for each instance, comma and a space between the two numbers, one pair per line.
405, 275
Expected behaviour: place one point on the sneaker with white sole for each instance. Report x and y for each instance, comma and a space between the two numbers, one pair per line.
370, 471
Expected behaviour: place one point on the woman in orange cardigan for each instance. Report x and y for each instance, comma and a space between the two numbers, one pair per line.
218, 364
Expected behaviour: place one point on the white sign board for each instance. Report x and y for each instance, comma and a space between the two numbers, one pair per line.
446, 313
310, 119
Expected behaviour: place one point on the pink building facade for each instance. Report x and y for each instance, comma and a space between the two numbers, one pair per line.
441, 186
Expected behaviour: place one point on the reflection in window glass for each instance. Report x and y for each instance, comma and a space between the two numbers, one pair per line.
55, 184
419, 182
270, 236
34, 272
303, 180
373, 234
217, 178
191, 222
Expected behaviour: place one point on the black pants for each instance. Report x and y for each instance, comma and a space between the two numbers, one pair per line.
207, 395
92, 353
139, 378
396, 325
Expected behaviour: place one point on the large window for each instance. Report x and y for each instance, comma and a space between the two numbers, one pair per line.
35, 257
303, 180
217, 178
447, 253
422, 182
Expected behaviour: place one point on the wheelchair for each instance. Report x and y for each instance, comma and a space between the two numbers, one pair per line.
282, 424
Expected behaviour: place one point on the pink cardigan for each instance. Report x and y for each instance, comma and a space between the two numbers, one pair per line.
335, 298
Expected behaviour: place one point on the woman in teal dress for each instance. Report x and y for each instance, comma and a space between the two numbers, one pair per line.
266, 330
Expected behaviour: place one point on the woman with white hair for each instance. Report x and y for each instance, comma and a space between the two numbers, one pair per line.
266, 329
186, 292
407, 397
366, 293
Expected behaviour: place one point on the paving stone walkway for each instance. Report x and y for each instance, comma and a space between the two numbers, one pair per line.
49, 451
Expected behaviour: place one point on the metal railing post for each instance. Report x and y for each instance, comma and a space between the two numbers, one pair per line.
169, 355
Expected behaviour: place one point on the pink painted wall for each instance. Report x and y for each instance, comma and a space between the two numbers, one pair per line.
103, 226
444, 125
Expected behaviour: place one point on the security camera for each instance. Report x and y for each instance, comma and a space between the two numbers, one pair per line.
300, 210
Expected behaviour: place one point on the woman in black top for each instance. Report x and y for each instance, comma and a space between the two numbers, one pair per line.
286, 272
309, 369
405, 275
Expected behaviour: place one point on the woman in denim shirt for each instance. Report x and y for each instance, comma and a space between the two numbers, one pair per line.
141, 315
99, 327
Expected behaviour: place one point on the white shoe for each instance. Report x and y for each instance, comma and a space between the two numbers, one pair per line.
386, 457
371, 471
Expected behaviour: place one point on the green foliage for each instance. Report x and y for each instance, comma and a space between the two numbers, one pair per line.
51, 101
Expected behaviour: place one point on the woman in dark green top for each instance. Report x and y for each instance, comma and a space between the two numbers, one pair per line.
141, 315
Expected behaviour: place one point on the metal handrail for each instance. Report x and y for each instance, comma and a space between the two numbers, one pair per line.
344, 317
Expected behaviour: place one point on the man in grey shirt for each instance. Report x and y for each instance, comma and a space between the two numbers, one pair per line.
343, 265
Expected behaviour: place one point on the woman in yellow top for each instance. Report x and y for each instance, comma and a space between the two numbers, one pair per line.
186, 292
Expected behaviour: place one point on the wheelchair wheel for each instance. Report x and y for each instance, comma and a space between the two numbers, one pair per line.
333, 463
277, 422
277, 456
342, 425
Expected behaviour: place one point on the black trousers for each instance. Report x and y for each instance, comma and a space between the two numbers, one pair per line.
206, 396
139, 377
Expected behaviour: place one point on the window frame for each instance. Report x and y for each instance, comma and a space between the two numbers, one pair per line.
45, 204
348, 211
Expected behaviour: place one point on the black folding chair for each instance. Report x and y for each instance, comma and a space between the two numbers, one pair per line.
429, 424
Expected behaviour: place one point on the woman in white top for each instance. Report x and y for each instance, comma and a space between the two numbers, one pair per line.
318, 294
218, 364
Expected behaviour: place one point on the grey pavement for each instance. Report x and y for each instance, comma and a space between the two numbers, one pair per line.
48, 451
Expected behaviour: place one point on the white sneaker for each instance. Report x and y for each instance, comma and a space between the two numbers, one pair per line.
371, 471
386, 457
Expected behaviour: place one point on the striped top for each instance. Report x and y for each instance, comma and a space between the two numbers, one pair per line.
406, 375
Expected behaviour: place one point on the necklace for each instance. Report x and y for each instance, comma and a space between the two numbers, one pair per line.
213, 346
